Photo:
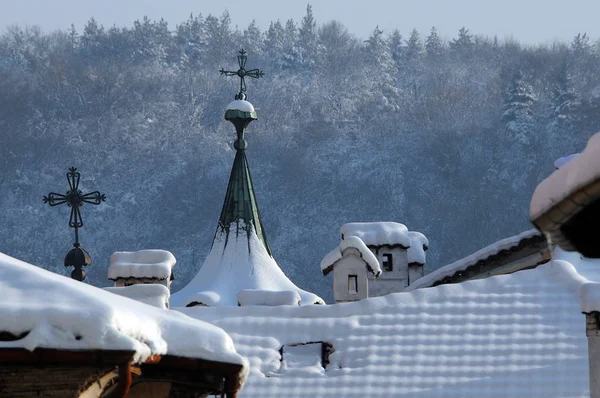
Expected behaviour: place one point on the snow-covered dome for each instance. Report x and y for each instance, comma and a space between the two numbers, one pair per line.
240, 105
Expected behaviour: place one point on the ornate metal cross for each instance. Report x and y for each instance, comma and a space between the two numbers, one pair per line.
242, 73
74, 199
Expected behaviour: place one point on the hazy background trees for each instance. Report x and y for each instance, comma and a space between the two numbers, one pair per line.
449, 138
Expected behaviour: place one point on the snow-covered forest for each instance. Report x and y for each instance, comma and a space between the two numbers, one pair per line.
446, 136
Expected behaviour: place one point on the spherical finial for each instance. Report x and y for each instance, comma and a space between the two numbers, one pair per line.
240, 144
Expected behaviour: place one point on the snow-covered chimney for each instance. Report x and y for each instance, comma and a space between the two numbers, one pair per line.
144, 267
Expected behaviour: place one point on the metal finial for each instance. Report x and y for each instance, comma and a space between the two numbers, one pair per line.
75, 199
242, 73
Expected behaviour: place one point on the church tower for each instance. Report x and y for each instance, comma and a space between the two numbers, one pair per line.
240, 259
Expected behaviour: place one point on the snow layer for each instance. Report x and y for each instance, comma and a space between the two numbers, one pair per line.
378, 233
248, 297
141, 264
152, 294
239, 263
418, 245
464, 263
240, 105
589, 268
590, 297
560, 162
579, 172
61, 313
356, 243
518, 335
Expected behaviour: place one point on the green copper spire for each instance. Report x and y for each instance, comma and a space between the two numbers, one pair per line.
240, 200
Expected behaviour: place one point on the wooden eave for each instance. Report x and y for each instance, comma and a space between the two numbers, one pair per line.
533, 245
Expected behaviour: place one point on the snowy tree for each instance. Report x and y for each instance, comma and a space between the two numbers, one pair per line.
414, 46
252, 39
581, 45
274, 42
433, 43
190, 37
307, 38
291, 54
564, 105
396, 45
518, 113
463, 42
384, 71
91, 40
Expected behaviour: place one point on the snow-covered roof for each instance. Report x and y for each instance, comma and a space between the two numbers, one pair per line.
240, 105
141, 264
153, 294
464, 263
236, 262
378, 233
353, 242
248, 297
518, 335
60, 313
418, 246
576, 174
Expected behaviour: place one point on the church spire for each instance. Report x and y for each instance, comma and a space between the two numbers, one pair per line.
240, 259
240, 201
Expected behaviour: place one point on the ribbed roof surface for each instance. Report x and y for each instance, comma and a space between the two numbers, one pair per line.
240, 202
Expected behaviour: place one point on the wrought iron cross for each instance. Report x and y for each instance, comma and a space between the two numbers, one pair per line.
74, 199
242, 73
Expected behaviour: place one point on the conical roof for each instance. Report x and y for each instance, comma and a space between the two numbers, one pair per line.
240, 257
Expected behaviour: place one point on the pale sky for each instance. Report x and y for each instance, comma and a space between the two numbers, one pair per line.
529, 21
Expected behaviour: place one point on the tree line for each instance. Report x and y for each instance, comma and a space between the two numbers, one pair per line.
448, 137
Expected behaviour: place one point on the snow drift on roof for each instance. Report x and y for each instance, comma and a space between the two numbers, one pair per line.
560, 162
578, 173
234, 264
353, 242
462, 264
378, 233
519, 335
61, 313
240, 105
152, 294
141, 264
248, 297
418, 246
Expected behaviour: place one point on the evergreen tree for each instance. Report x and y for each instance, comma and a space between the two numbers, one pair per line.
414, 46
518, 113
91, 40
274, 42
396, 45
433, 43
291, 56
564, 105
384, 71
252, 39
191, 40
463, 42
307, 38
581, 45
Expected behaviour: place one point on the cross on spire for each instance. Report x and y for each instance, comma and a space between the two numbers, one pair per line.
74, 199
242, 73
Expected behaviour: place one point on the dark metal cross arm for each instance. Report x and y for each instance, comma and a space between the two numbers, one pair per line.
255, 73
55, 199
94, 198
228, 72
